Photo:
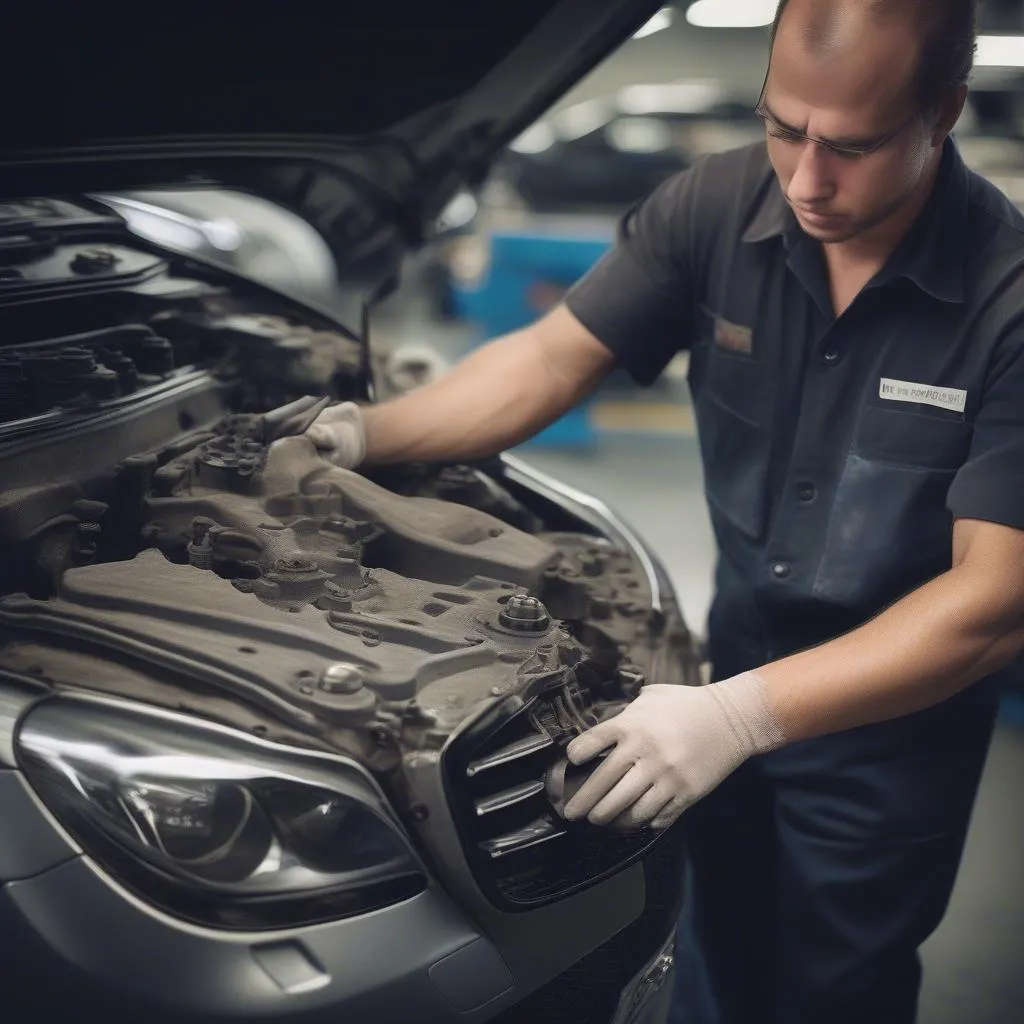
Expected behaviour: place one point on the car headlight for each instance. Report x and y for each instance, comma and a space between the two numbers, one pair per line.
211, 827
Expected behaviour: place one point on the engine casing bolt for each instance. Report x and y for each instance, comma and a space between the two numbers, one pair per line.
524, 614
341, 678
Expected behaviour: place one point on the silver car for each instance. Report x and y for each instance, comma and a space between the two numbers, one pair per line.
281, 741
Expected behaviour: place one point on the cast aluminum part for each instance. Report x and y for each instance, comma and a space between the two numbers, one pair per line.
596, 513
280, 516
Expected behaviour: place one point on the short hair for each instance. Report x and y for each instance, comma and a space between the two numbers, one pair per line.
950, 34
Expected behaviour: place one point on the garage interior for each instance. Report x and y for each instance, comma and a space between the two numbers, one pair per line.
637, 450
686, 84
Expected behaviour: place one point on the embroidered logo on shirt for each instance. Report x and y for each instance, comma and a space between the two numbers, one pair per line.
733, 337
953, 399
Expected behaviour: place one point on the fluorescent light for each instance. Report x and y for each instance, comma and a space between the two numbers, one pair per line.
639, 135
674, 97
536, 139
731, 13
581, 119
1000, 52
461, 209
661, 19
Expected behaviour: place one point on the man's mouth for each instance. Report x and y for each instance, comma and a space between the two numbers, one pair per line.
816, 216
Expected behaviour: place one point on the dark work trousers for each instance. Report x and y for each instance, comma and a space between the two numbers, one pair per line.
815, 872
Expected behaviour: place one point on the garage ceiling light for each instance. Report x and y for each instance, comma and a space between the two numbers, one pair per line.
1000, 52
672, 97
661, 19
538, 138
731, 13
582, 118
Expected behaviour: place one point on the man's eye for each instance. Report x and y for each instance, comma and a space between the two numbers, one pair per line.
784, 136
793, 138
850, 154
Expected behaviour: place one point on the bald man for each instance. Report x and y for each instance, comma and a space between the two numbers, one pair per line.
852, 299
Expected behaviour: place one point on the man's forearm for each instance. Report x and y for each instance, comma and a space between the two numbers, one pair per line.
475, 409
674, 744
499, 396
931, 644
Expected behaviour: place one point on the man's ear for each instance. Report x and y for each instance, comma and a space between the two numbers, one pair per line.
948, 113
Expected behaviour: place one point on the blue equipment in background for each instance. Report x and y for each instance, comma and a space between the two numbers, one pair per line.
527, 274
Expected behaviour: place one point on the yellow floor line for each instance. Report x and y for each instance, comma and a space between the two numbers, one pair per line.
649, 417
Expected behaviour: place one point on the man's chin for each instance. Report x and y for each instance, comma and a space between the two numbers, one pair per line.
827, 229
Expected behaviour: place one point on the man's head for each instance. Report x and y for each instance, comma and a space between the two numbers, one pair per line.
879, 85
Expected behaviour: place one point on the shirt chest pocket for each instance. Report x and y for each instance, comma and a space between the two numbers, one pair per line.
915, 440
734, 400
889, 529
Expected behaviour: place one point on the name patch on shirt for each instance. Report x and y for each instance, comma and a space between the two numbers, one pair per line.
733, 337
953, 399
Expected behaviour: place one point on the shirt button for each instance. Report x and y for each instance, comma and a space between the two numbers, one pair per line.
806, 492
780, 570
831, 356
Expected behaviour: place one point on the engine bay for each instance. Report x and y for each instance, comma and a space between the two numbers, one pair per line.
168, 534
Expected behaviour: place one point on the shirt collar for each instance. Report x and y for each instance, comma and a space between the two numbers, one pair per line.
772, 215
933, 252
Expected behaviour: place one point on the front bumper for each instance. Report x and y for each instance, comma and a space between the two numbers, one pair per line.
70, 936
628, 978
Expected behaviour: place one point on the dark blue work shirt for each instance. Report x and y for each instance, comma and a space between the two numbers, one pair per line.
837, 451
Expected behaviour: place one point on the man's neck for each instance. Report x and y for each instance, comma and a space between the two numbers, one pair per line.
873, 247
851, 265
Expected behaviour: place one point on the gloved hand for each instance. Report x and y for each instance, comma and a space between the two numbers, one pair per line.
671, 746
339, 434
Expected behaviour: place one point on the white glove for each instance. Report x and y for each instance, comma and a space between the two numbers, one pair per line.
671, 746
339, 434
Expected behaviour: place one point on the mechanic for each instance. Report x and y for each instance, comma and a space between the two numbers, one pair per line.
852, 300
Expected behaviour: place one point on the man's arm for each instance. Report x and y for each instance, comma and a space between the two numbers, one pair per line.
673, 745
499, 396
502, 394
639, 300
934, 642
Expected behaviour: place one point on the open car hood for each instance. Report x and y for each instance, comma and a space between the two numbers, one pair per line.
362, 118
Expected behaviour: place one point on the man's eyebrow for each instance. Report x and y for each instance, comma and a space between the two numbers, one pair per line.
772, 116
847, 143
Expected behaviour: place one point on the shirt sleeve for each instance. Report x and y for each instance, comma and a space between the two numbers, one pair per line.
638, 299
990, 484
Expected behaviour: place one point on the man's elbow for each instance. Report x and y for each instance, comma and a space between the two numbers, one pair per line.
994, 623
1009, 646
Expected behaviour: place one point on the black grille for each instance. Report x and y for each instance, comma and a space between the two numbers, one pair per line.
521, 852
589, 991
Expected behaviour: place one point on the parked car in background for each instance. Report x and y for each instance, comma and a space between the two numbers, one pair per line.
603, 154
607, 168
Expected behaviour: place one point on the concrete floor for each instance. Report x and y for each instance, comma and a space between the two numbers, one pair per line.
974, 964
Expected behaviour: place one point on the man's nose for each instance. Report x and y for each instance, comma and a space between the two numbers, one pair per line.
812, 182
